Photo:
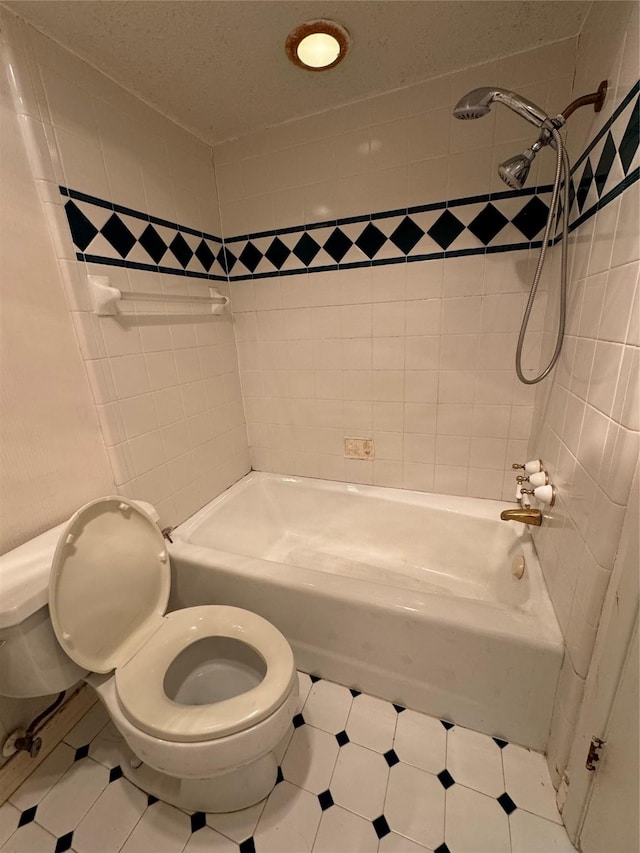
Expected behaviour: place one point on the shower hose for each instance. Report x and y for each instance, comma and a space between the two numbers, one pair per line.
562, 171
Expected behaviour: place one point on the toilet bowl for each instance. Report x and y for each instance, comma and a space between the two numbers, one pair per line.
202, 696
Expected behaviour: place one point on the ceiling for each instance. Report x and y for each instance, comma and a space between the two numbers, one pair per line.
219, 68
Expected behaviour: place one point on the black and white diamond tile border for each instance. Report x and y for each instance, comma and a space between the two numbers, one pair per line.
108, 233
356, 773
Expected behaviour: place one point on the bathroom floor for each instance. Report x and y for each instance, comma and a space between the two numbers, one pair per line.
357, 774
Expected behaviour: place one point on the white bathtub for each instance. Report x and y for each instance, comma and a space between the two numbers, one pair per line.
405, 595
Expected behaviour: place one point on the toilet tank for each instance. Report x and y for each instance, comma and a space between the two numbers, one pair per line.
32, 663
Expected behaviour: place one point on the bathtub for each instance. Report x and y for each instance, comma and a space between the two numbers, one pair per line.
403, 595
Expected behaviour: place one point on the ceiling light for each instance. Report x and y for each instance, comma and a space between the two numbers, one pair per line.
317, 45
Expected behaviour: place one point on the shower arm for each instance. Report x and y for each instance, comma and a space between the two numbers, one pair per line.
595, 98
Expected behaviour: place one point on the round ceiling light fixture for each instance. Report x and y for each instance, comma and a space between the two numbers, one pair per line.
318, 45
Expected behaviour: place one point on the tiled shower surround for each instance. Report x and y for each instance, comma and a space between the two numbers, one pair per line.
349, 334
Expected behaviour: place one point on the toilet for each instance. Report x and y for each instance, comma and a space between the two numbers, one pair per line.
202, 696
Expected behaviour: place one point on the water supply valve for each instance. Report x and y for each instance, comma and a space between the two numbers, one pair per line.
534, 466
545, 494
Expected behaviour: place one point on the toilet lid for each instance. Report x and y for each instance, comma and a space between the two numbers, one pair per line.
109, 585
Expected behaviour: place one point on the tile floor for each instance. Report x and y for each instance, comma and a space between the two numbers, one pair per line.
357, 774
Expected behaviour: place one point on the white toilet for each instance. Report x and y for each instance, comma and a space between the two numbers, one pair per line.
202, 696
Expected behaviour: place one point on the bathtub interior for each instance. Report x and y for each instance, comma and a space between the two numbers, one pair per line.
390, 537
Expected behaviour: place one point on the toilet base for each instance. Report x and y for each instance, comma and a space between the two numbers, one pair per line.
227, 792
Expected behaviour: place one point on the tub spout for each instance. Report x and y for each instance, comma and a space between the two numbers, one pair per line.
525, 516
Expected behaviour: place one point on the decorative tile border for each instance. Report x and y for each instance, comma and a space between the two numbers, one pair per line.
111, 234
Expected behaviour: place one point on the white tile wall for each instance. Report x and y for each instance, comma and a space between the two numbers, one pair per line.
417, 356
165, 382
587, 418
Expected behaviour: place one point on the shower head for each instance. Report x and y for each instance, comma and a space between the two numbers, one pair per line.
477, 103
515, 171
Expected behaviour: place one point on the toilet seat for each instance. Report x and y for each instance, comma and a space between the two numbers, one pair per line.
140, 682
108, 592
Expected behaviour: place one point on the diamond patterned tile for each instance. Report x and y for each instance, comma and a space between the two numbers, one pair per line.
117, 233
584, 186
250, 256
445, 229
487, 224
153, 243
406, 235
204, 254
532, 218
277, 253
371, 240
181, 250
82, 229
605, 162
630, 138
337, 245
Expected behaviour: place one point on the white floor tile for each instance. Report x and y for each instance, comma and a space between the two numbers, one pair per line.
360, 780
88, 727
475, 760
30, 839
372, 723
238, 826
345, 832
161, 829
289, 821
527, 782
43, 778
475, 823
304, 686
207, 840
415, 805
327, 706
110, 820
533, 834
105, 747
393, 843
67, 803
421, 741
310, 759
9, 817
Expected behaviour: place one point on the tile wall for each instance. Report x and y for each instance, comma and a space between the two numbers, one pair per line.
587, 418
164, 378
416, 355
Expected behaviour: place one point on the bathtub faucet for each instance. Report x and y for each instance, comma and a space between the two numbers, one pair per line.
525, 516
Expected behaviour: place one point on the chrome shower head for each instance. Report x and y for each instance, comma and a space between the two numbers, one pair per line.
515, 171
477, 103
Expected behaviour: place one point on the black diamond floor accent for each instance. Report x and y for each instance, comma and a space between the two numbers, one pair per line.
314, 678
442, 849
27, 816
399, 708
354, 692
298, 721
406, 235
584, 185
381, 826
115, 773
205, 255
487, 224
116, 232
342, 738
181, 250
279, 776
371, 241
250, 256
507, 803
306, 249
81, 752
607, 156
337, 245
532, 218
447, 725
501, 743
198, 821
325, 799
445, 229
227, 259
153, 244
151, 800
247, 846
64, 843
630, 138
446, 779
82, 229
277, 253
391, 758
